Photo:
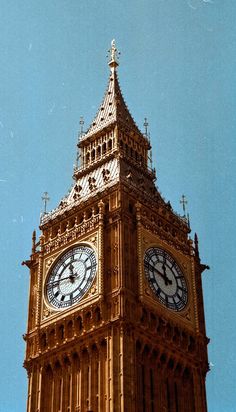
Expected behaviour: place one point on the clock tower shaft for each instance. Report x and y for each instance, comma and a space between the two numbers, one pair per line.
126, 338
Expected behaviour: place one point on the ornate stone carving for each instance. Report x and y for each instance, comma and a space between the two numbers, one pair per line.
72, 234
92, 183
49, 263
46, 312
187, 315
106, 174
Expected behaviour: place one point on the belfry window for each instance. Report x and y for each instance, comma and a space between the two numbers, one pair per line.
109, 144
104, 148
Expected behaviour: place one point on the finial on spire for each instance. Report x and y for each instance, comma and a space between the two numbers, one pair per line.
81, 122
146, 127
184, 203
45, 199
80, 135
147, 135
114, 55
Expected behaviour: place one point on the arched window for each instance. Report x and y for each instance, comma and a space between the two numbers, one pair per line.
61, 332
79, 324
109, 144
70, 329
104, 148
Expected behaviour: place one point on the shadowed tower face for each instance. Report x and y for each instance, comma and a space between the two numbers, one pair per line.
116, 319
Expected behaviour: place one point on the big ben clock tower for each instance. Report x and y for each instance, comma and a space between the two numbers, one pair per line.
116, 317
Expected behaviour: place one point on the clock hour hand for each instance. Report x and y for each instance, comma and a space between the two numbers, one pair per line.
72, 274
71, 269
164, 276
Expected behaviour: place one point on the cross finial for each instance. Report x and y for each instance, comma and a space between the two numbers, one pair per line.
80, 135
45, 199
184, 203
81, 122
145, 126
114, 55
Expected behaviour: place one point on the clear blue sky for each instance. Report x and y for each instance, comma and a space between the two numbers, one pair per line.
177, 67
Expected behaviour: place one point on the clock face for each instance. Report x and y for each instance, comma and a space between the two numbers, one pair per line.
165, 278
71, 277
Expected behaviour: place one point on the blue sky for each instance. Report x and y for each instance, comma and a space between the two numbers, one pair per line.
177, 67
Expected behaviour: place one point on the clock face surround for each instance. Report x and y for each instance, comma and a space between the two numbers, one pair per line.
165, 278
71, 276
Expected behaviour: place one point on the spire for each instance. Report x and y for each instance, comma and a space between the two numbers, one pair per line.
113, 108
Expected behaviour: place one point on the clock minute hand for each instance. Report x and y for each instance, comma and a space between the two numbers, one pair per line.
71, 277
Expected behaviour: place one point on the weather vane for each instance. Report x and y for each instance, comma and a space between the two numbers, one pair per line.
45, 199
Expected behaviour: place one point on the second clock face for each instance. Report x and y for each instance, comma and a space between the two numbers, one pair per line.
71, 277
165, 278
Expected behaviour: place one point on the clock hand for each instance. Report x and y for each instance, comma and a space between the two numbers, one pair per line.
72, 274
164, 277
71, 268
71, 277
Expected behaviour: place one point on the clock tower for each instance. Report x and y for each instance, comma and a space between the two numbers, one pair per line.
116, 317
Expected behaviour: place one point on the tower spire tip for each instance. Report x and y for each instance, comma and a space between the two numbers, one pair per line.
114, 55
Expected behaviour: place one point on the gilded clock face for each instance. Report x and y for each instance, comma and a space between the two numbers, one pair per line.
71, 277
165, 278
